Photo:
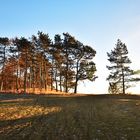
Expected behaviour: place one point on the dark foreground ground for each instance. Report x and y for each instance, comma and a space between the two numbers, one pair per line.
58, 117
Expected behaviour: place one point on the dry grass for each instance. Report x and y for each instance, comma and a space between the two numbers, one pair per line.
62, 117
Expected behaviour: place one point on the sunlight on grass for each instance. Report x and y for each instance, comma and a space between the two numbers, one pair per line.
16, 110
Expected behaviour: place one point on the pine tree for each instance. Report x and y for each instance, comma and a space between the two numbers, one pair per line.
4, 43
121, 74
84, 66
68, 71
59, 61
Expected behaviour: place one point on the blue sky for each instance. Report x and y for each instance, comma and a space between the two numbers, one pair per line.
98, 23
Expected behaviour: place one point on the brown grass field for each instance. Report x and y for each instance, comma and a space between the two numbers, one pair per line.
69, 117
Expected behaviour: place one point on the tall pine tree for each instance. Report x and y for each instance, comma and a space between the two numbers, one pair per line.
120, 73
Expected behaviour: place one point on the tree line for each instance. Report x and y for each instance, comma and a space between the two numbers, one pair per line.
41, 64
38, 63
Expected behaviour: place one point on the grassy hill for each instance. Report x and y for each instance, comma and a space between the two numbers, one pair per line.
69, 117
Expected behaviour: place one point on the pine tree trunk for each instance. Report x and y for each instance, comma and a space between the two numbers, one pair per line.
123, 81
52, 81
60, 82
33, 86
17, 72
75, 89
25, 75
76, 80
4, 59
1, 87
33, 75
45, 77
30, 77
67, 68
40, 72
25, 80
66, 80
52, 72
17, 79
20, 81
56, 84
34, 79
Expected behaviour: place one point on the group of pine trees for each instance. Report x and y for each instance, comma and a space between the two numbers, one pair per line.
38, 63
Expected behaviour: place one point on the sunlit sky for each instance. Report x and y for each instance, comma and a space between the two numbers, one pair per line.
98, 23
